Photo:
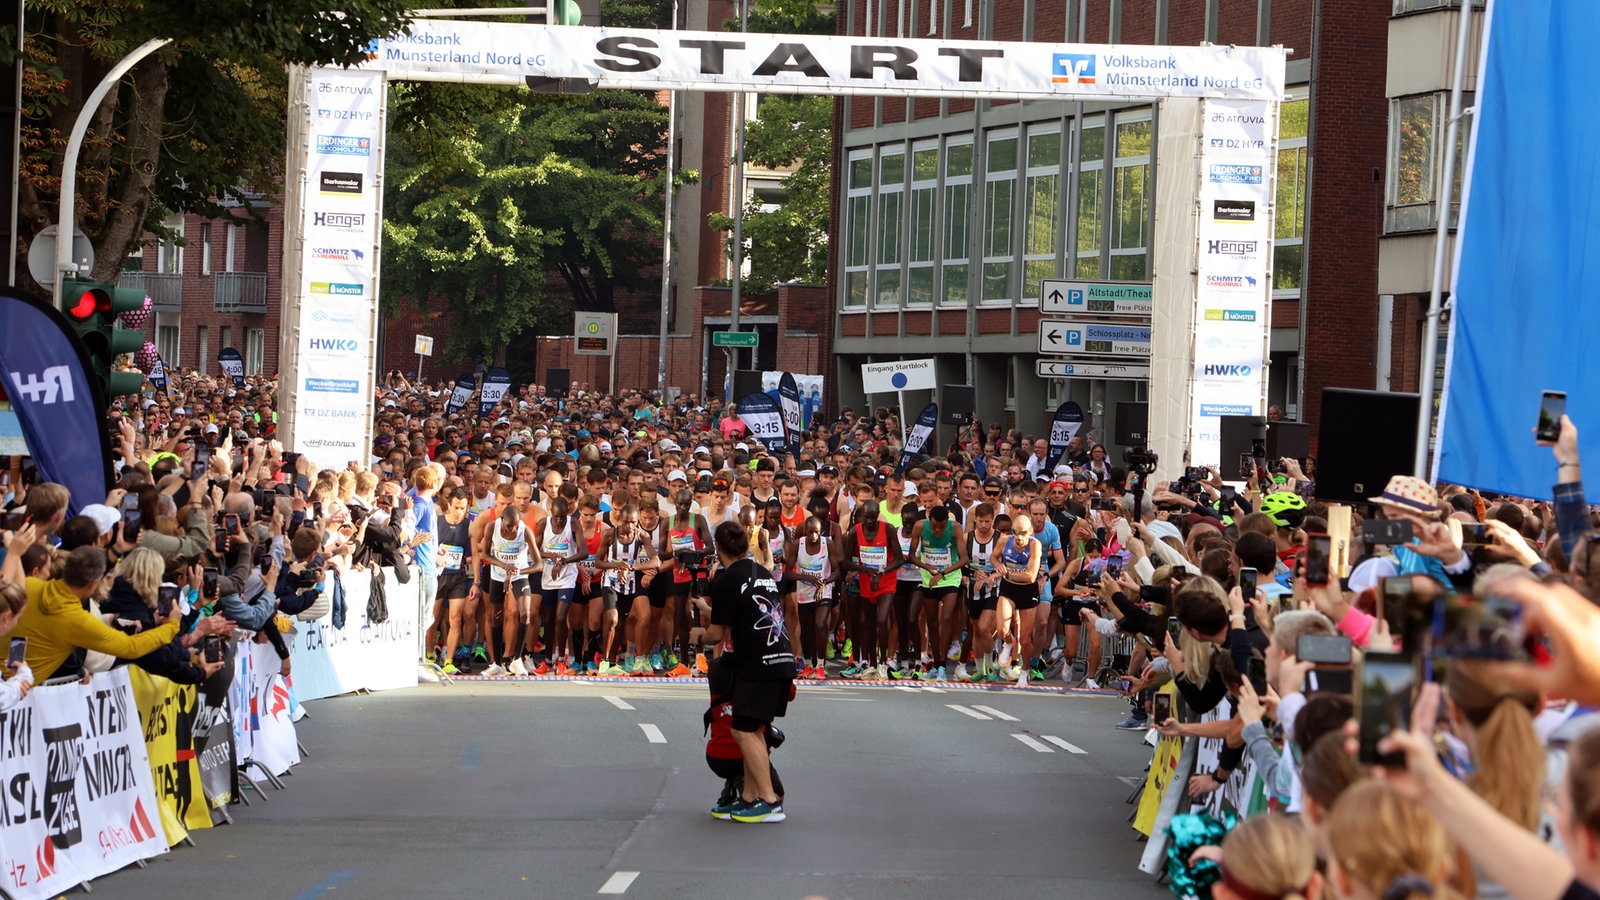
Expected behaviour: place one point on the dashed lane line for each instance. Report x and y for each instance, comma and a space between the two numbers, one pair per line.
1004, 717
1070, 748
618, 883
652, 734
1029, 741
618, 702
967, 712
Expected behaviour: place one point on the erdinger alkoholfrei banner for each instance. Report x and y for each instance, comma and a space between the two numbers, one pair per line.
59, 405
927, 421
1063, 428
1524, 317
460, 394
646, 59
761, 414
789, 401
495, 384
232, 365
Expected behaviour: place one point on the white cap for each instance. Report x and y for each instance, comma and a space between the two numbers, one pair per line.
677, 475
702, 449
911, 489
670, 446
105, 518
742, 446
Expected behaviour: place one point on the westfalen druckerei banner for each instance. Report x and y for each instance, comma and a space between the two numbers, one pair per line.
1525, 318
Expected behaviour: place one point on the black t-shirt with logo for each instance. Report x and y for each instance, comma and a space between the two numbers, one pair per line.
744, 598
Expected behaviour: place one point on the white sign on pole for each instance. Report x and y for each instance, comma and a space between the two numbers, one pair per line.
424, 345
903, 375
1057, 296
645, 59
594, 333
1093, 338
1057, 368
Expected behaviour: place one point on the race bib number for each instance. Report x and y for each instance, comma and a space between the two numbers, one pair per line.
937, 557
875, 558
452, 556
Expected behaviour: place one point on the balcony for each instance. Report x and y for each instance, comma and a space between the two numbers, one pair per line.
240, 292
165, 289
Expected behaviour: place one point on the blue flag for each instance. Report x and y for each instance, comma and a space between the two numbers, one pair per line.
59, 404
459, 394
495, 384
789, 402
1065, 425
1525, 314
760, 413
917, 437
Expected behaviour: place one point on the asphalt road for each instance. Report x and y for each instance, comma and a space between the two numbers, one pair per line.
599, 788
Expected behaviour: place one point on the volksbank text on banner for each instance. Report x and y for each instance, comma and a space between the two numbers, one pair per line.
442, 50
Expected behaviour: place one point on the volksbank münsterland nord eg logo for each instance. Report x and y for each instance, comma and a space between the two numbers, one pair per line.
1072, 68
336, 288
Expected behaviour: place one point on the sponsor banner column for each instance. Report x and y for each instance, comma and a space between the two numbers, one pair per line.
1233, 308
338, 281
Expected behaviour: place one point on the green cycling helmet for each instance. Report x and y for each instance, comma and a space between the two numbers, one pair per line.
1285, 508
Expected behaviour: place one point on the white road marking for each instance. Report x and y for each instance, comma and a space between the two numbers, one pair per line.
1070, 748
654, 735
967, 712
619, 882
618, 702
996, 713
905, 687
1033, 743
933, 690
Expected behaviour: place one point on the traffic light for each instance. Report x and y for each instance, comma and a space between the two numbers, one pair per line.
563, 12
93, 309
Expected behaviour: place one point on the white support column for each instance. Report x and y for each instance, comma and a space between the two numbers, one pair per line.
1173, 285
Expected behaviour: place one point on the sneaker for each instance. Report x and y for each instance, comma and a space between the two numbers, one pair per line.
849, 650
759, 812
480, 653
543, 668
700, 664
807, 673
961, 673
562, 669
670, 660
1022, 678
954, 652
820, 673
1136, 721
1007, 673
1035, 674
725, 811
883, 672
604, 668
678, 671
1005, 653
518, 667
895, 673
450, 669
655, 661
494, 670
829, 653
939, 674
641, 666
851, 671
1091, 684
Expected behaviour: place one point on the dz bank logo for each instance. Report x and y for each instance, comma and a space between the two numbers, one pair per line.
1072, 68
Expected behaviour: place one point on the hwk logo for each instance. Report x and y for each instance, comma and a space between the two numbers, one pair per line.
1072, 68
52, 384
346, 345
1227, 371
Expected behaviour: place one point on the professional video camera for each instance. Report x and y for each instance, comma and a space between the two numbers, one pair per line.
698, 562
1140, 460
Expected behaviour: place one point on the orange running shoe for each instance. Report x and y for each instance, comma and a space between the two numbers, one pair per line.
679, 671
700, 664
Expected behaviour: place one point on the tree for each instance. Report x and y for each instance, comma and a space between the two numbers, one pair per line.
197, 127
788, 243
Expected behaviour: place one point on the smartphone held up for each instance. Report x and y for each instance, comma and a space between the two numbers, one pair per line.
1552, 406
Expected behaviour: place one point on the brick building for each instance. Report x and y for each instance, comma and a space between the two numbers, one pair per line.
949, 212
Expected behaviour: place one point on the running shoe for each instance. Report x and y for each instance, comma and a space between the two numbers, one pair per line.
494, 670
1022, 679
939, 674
1136, 721
851, 671
895, 673
604, 668
700, 664
954, 652
1035, 674
671, 660
807, 673
961, 673
562, 669
759, 812
1091, 684
542, 669
725, 811
655, 661
517, 667
641, 666
829, 653
849, 650
883, 672
1005, 653
450, 669
679, 671
820, 673
480, 653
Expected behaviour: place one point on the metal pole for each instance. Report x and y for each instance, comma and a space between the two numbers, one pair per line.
419, 370
738, 216
66, 219
16, 147
666, 229
1430, 346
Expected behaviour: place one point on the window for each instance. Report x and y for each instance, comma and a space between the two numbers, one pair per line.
205, 248
255, 350
1091, 191
891, 225
1289, 208
957, 219
920, 226
858, 202
999, 208
203, 347
1041, 220
1417, 129
167, 330
233, 240
1130, 204
227, 339
171, 259
1405, 6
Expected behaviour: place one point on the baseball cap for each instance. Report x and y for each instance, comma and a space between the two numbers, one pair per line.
808, 473
105, 518
605, 446
676, 475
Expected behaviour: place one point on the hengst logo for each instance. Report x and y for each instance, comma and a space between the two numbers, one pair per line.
1235, 174
337, 254
335, 288
1230, 315
1072, 68
1219, 371
339, 345
1232, 211
347, 221
1239, 282
340, 145
1231, 248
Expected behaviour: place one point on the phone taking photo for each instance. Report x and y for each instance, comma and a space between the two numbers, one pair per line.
1174, 628
1163, 708
1552, 406
166, 599
1383, 704
1319, 556
1476, 533
213, 648
209, 583
1247, 583
19, 652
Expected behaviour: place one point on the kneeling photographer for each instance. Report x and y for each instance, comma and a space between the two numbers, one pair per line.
745, 609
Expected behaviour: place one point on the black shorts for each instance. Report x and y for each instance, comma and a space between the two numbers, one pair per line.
786, 587
497, 589
624, 604
978, 605
657, 591
1022, 596
453, 585
757, 703
1068, 607
940, 594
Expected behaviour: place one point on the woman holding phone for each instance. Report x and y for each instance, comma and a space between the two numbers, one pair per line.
138, 592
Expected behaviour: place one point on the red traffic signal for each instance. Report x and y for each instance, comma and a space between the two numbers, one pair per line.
83, 303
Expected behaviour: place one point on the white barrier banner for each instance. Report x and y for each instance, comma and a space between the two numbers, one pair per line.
271, 713
78, 801
330, 661
645, 59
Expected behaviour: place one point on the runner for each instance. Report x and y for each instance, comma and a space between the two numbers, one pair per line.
456, 586
511, 558
1019, 589
939, 549
983, 595
815, 571
561, 552
874, 555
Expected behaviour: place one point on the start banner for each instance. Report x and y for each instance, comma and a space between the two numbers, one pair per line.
78, 800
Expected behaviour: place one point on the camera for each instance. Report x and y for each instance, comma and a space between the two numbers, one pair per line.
698, 562
1141, 460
